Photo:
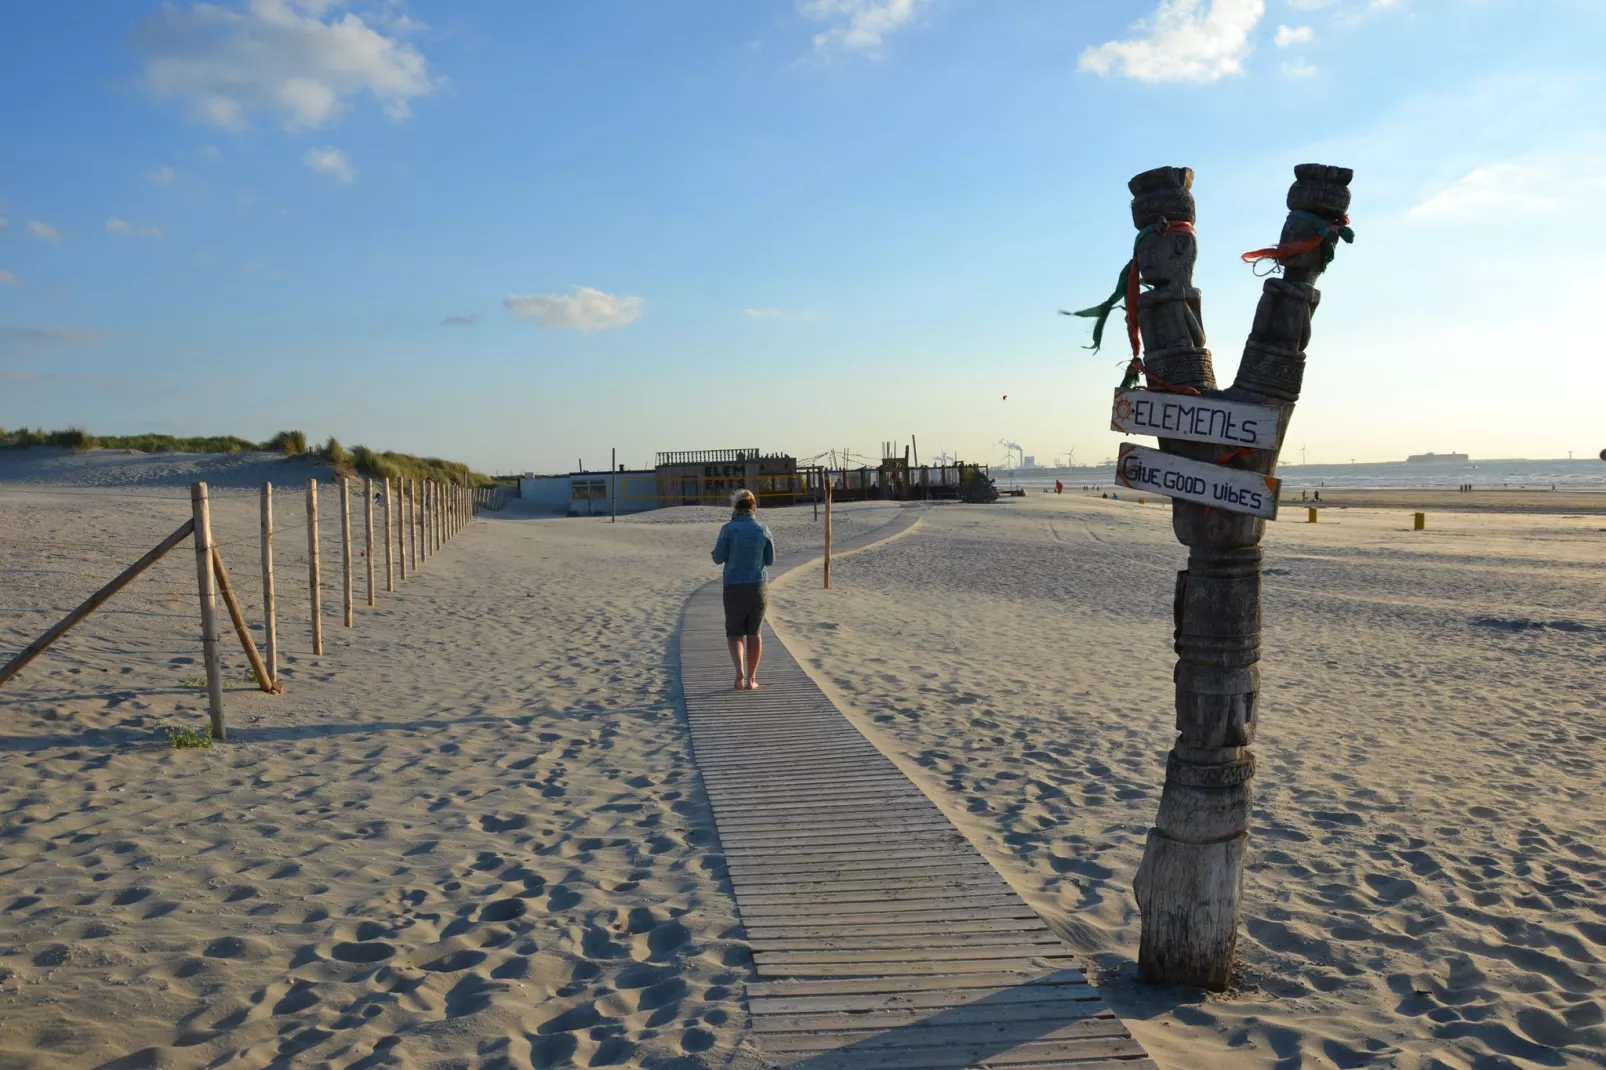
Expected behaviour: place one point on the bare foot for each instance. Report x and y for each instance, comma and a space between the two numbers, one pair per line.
741, 683
752, 685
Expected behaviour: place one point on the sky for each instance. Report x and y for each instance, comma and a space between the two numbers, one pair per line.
521, 234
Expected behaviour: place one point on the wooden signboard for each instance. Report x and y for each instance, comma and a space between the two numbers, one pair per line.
1232, 489
1194, 419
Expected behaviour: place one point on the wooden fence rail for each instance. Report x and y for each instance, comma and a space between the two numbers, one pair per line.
426, 515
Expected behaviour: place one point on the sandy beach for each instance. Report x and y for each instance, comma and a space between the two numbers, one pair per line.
1426, 887
472, 833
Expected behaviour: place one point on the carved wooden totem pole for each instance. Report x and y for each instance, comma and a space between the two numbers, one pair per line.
1218, 452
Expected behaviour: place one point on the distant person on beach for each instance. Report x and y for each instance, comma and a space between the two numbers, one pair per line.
1059, 488
746, 549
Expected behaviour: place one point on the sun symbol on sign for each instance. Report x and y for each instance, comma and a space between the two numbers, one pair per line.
1123, 408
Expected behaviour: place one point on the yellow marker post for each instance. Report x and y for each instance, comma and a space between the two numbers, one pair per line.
1312, 519
1421, 521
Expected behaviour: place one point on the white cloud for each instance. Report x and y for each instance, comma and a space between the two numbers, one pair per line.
43, 231
164, 177
132, 230
298, 60
330, 161
1298, 68
1514, 186
760, 313
581, 309
1294, 35
1184, 41
858, 25
8, 279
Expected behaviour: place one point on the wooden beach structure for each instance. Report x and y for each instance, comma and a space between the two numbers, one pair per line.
1217, 455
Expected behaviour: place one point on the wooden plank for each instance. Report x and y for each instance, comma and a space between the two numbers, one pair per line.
964, 1056
867, 819
938, 833
828, 860
888, 910
951, 874
871, 941
786, 801
877, 892
1073, 994
906, 985
935, 929
983, 1012
934, 952
937, 966
973, 1035
226, 589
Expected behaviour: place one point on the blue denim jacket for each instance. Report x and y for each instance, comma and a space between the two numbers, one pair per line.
746, 549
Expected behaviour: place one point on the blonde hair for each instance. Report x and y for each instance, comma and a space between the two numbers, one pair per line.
743, 501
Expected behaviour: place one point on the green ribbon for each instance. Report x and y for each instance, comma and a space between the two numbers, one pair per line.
1101, 311
1330, 230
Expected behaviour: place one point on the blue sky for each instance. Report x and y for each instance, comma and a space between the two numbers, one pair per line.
521, 233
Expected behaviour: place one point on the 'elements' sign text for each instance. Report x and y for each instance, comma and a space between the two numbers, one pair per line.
1194, 419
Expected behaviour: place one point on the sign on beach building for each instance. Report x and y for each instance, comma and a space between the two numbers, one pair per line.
1194, 419
1232, 489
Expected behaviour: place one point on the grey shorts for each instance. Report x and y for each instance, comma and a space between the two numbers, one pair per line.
744, 608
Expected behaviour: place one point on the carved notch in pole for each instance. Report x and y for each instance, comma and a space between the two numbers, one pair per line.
1189, 884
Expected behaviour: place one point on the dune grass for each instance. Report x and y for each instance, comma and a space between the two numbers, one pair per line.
359, 460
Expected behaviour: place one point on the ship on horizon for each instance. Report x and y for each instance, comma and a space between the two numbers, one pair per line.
1437, 458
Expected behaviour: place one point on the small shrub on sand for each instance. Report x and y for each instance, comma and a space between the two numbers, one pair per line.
181, 738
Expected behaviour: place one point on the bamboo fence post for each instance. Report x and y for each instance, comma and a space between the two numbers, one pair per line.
313, 577
436, 524
827, 530
202, 515
390, 546
237, 615
421, 493
345, 549
270, 611
410, 557
95, 601
368, 514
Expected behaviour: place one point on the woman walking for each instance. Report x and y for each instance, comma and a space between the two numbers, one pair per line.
746, 549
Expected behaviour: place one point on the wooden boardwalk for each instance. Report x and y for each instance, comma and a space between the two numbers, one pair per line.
882, 939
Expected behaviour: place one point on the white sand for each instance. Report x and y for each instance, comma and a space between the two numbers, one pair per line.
1426, 887
486, 787
470, 832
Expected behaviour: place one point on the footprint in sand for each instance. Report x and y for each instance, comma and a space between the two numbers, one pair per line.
362, 953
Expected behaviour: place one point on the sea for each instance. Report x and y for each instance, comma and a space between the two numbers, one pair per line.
1514, 474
